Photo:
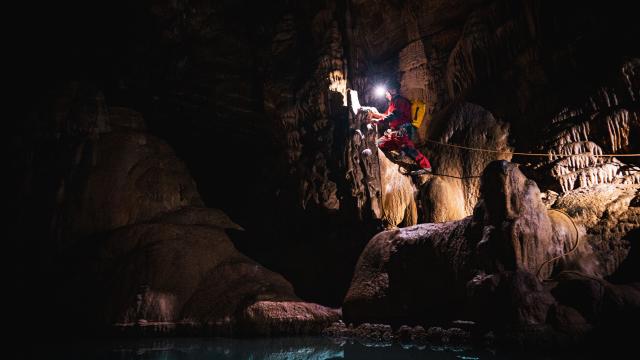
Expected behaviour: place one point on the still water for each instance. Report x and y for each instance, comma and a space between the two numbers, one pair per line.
298, 348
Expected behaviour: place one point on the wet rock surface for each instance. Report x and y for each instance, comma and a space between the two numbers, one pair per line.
491, 266
175, 278
381, 334
125, 107
454, 191
140, 255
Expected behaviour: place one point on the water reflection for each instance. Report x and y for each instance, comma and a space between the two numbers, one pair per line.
298, 348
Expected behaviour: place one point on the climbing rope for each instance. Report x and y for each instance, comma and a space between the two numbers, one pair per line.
575, 227
575, 246
508, 153
521, 153
456, 177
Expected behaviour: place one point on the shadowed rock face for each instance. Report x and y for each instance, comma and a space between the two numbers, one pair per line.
117, 179
140, 254
485, 266
454, 195
509, 231
611, 220
410, 275
516, 233
173, 278
250, 95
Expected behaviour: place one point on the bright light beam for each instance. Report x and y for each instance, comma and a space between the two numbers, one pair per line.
380, 91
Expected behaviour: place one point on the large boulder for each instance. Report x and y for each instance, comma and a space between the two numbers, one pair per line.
509, 299
610, 218
165, 275
511, 223
180, 273
597, 300
116, 179
421, 271
410, 274
140, 253
454, 194
491, 267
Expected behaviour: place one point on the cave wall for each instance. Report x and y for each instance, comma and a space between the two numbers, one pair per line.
559, 85
250, 97
557, 80
503, 267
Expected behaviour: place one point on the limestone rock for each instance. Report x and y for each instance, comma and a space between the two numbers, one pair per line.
191, 215
605, 121
362, 171
278, 317
490, 265
117, 179
568, 320
305, 116
273, 80
398, 194
381, 188
442, 199
454, 193
516, 230
140, 255
597, 300
609, 219
162, 277
509, 300
122, 118
409, 274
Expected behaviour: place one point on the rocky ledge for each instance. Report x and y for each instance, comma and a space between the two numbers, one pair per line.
513, 267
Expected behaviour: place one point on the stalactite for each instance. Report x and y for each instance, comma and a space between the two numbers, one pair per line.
310, 108
574, 134
629, 72
618, 126
566, 114
603, 123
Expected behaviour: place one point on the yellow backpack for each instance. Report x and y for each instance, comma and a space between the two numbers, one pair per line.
418, 110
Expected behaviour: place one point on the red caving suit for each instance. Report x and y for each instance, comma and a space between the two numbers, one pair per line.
398, 116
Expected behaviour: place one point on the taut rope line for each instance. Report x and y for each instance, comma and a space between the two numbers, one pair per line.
575, 246
521, 153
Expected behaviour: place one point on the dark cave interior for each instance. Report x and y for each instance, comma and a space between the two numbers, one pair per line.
147, 123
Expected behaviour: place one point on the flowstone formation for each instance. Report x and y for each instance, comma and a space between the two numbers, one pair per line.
381, 188
589, 173
509, 267
453, 192
248, 101
605, 122
138, 252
